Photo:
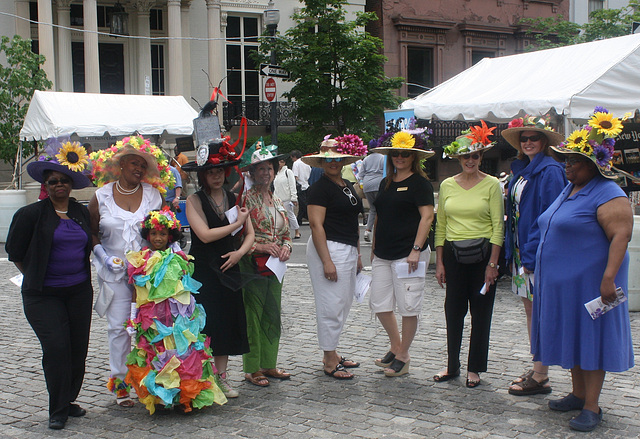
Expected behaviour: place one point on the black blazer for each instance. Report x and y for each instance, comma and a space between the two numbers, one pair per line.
31, 235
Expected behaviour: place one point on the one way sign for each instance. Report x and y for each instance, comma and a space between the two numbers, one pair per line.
275, 71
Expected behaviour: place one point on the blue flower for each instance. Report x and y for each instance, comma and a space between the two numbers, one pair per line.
600, 109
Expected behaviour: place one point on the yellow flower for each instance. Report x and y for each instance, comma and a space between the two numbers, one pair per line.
577, 139
586, 149
73, 155
606, 124
402, 140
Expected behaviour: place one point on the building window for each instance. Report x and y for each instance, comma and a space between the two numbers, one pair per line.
419, 70
77, 15
33, 11
479, 55
595, 5
155, 19
157, 70
243, 79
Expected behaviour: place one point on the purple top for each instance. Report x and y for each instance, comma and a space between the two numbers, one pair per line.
67, 258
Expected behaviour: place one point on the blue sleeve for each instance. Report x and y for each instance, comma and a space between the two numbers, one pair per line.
552, 183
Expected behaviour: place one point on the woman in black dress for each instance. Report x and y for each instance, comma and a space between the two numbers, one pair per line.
217, 250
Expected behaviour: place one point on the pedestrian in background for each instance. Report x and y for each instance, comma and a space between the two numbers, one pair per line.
301, 171
284, 187
372, 174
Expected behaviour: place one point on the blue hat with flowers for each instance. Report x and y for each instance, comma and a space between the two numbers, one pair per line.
412, 138
62, 155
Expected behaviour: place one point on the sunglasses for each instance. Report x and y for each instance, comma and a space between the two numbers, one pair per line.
55, 181
352, 197
475, 156
571, 160
334, 159
533, 138
403, 154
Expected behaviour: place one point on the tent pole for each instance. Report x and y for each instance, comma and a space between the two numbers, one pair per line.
20, 166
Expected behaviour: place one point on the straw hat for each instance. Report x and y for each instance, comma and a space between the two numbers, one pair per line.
530, 123
69, 158
474, 139
348, 148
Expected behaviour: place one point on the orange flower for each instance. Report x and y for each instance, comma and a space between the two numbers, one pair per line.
480, 134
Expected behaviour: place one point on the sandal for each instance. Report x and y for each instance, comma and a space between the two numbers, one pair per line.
522, 378
276, 373
531, 387
339, 368
472, 384
442, 377
257, 379
397, 368
125, 401
348, 363
386, 360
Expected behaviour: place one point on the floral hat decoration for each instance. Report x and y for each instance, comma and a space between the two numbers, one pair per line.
409, 139
596, 140
106, 166
473, 139
531, 123
348, 148
161, 219
62, 155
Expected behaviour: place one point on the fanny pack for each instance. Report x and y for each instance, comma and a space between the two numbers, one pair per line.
471, 251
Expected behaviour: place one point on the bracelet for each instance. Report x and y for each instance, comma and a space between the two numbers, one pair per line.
289, 246
492, 265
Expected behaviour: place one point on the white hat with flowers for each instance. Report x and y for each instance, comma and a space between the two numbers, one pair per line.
596, 140
531, 123
412, 138
348, 148
473, 139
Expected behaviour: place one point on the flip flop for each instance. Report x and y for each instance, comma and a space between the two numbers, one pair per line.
281, 374
344, 362
339, 368
256, 378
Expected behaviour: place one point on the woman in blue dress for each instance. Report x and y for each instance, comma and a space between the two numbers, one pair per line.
583, 255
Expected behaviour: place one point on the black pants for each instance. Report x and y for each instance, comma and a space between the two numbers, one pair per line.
302, 206
61, 318
464, 282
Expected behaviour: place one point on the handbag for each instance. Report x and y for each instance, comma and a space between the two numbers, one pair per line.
471, 251
261, 264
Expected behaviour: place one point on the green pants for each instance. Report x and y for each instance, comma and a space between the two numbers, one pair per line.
262, 301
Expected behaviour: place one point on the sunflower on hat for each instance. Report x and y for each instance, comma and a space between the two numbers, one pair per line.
412, 138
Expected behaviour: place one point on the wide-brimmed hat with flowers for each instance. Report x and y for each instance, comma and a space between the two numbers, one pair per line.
106, 163
596, 140
61, 155
530, 123
474, 139
410, 139
348, 148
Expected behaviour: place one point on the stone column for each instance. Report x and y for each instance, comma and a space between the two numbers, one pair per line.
176, 66
45, 39
23, 27
91, 54
144, 46
65, 68
186, 49
216, 45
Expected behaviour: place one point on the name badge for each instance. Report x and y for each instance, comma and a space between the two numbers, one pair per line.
400, 189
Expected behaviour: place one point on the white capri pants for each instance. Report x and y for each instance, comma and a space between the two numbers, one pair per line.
333, 299
291, 214
387, 291
118, 312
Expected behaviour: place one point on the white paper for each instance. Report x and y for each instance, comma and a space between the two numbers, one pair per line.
402, 270
484, 289
363, 281
521, 271
232, 216
277, 267
17, 280
596, 308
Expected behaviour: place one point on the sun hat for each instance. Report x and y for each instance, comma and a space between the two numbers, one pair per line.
106, 163
473, 139
410, 139
595, 141
349, 148
261, 154
69, 158
530, 123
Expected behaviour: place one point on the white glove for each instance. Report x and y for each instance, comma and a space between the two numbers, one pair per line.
175, 247
113, 263
134, 313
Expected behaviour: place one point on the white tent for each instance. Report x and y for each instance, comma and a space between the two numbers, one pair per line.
572, 80
52, 114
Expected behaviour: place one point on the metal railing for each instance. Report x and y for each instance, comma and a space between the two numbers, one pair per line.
258, 113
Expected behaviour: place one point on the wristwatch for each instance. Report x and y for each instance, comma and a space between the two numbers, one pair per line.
492, 265
416, 247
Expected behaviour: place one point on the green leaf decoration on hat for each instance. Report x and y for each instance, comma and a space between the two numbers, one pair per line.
245, 160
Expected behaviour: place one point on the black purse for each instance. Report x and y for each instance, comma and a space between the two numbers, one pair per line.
471, 251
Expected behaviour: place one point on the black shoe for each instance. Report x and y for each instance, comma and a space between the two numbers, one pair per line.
56, 424
75, 411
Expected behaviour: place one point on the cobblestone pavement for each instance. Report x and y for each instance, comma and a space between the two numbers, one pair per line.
311, 404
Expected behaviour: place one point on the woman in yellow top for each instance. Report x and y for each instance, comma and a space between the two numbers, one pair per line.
469, 235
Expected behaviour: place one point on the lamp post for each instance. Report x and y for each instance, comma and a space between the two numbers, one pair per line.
119, 20
271, 17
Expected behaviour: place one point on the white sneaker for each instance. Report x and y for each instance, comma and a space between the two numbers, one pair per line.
367, 235
222, 382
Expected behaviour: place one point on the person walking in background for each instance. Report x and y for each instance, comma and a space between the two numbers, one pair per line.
172, 197
469, 235
177, 162
301, 171
372, 174
537, 180
284, 187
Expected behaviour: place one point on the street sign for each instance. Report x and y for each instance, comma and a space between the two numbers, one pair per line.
275, 71
270, 89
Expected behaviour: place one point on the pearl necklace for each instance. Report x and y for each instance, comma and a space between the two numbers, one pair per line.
61, 211
124, 191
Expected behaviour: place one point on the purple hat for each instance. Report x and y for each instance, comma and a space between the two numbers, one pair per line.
69, 158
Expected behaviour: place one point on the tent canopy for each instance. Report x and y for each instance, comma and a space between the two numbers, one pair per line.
52, 114
571, 80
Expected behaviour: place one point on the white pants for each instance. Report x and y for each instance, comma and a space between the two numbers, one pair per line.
291, 214
333, 299
118, 312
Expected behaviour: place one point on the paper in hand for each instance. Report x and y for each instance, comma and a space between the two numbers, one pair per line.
232, 216
402, 270
596, 308
363, 281
277, 267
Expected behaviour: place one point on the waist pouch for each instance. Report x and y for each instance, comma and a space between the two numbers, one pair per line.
470, 251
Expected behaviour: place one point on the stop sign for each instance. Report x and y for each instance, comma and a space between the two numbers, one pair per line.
270, 89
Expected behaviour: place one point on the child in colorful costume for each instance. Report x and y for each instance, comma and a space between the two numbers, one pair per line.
171, 362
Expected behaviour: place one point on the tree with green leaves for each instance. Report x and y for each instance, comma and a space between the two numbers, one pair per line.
20, 76
603, 23
337, 68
